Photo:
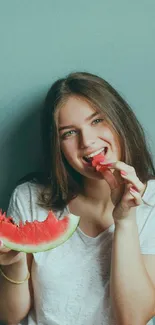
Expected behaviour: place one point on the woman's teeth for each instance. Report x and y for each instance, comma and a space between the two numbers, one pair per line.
94, 153
89, 157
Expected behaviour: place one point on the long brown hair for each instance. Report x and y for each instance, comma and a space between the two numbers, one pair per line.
61, 182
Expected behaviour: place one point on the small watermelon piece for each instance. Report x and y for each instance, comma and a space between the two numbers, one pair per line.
37, 236
98, 161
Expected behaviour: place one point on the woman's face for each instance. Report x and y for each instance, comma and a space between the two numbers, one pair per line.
84, 131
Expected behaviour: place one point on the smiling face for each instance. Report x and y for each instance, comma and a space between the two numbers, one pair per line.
84, 131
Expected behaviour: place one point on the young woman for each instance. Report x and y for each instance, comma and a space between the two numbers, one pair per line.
105, 273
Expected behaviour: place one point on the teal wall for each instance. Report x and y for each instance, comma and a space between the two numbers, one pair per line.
42, 40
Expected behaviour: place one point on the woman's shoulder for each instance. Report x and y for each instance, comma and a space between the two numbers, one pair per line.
24, 202
146, 219
27, 192
149, 194
28, 188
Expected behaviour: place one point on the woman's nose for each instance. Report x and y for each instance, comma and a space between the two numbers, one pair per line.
87, 139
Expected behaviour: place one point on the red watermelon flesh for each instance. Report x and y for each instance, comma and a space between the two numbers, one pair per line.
98, 161
37, 236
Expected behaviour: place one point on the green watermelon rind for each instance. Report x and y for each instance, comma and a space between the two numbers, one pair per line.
73, 224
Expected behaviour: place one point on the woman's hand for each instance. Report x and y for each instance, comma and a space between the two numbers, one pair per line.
126, 189
8, 256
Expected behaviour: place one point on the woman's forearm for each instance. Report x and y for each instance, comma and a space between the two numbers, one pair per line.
15, 300
132, 292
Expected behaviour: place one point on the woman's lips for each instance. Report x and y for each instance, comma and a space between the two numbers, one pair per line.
96, 160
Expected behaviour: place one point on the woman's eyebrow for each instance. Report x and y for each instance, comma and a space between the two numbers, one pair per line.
71, 126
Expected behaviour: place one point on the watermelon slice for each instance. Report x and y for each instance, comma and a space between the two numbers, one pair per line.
98, 163
37, 236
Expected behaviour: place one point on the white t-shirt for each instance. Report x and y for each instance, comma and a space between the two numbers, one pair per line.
71, 282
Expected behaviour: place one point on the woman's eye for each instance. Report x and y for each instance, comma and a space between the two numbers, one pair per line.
98, 120
68, 134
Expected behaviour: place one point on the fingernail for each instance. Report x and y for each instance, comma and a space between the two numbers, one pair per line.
123, 173
133, 189
1, 243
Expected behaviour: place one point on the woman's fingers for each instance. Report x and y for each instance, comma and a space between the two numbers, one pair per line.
136, 195
3, 249
119, 174
132, 178
110, 179
8, 256
116, 185
128, 173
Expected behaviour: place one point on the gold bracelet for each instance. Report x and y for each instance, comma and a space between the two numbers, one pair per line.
12, 281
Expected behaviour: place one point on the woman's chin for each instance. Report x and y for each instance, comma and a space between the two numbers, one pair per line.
98, 176
89, 172
93, 174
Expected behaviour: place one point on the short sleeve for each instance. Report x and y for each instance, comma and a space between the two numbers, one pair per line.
19, 205
24, 205
147, 237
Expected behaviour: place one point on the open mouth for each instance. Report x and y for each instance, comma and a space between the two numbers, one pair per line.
88, 159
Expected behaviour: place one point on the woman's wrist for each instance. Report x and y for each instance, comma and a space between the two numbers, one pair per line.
17, 271
125, 223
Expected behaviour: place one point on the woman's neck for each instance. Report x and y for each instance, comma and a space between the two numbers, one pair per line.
96, 191
94, 206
